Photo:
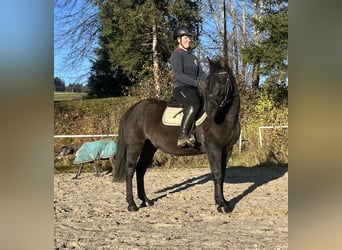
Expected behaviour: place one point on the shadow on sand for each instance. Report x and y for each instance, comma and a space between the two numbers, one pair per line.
258, 175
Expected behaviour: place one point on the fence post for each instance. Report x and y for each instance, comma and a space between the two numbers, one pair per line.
240, 140
260, 136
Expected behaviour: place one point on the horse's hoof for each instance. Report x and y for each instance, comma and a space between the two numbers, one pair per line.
147, 203
224, 209
132, 208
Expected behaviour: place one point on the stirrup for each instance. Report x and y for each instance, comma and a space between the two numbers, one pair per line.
191, 139
186, 141
182, 142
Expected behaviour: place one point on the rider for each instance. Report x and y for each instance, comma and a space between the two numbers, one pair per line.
188, 77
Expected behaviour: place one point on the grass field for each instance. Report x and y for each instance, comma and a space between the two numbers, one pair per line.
67, 96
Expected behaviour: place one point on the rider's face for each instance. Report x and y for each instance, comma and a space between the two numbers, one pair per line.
185, 41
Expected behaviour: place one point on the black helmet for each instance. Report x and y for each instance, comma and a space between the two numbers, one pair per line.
180, 31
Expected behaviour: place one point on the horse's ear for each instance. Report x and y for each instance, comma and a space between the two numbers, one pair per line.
208, 60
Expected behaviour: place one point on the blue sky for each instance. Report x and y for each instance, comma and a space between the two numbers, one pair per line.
60, 55
69, 76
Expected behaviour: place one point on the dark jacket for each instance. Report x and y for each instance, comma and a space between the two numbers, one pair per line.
186, 68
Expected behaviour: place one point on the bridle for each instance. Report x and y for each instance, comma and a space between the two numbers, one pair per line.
225, 100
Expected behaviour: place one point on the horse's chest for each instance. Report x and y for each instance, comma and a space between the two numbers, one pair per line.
223, 133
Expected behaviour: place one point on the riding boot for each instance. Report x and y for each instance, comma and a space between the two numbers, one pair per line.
188, 118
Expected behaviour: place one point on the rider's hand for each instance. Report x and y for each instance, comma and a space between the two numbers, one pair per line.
202, 86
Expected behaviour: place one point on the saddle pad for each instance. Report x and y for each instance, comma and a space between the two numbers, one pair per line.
172, 116
95, 150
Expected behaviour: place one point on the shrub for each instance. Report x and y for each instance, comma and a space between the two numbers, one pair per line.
102, 116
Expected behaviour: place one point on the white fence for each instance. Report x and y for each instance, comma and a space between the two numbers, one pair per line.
266, 127
115, 135
76, 136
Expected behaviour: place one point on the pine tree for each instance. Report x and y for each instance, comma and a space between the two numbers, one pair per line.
271, 50
59, 84
139, 34
104, 80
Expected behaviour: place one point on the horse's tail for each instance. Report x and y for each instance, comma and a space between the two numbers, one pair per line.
119, 172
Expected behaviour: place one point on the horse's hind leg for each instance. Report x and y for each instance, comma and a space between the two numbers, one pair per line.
146, 157
111, 160
78, 172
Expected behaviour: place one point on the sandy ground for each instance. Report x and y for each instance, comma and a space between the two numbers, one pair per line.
91, 212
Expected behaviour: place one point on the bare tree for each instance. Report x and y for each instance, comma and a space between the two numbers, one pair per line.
258, 12
224, 32
235, 49
156, 71
213, 13
243, 81
76, 29
155, 57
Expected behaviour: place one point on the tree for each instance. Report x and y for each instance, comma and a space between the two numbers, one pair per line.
59, 84
222, 34
75, 88
268, 53
251, 34
104, 81
139, 35
76, 29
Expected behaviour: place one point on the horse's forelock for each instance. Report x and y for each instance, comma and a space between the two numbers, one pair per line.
215, 66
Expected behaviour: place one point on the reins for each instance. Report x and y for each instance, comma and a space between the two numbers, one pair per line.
219, 73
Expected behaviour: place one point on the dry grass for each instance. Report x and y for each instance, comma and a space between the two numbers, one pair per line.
101, 116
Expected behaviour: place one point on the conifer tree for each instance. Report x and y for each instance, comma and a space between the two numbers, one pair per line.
271, 51
104, 80
139, 34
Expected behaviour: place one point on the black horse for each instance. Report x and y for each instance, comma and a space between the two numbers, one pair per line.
142, 132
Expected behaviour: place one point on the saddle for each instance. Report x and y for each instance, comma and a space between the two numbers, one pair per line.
173, 114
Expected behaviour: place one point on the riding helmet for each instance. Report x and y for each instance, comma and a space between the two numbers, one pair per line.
181, 31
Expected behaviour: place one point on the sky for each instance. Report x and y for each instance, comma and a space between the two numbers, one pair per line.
69, 76
60, 57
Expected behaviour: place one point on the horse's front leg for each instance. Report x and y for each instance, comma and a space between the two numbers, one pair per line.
145, 159
78, 172
218, 170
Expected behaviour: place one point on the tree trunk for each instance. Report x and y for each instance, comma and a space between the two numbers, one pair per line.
235, 45
256, 67
156, 70
225, 42
244, 44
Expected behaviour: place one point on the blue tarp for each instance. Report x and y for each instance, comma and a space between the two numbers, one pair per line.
95, 150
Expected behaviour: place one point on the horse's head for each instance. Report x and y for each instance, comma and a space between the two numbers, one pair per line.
220, 87
64, 151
